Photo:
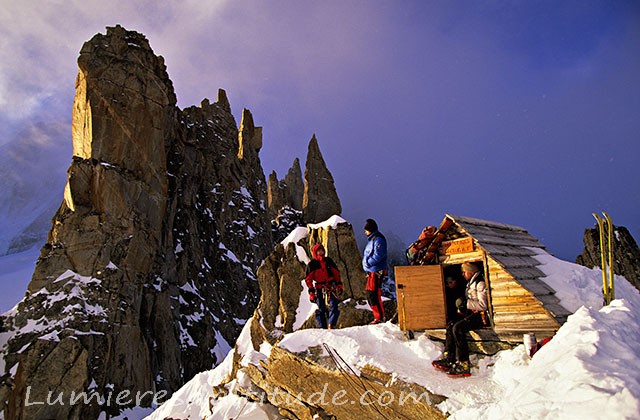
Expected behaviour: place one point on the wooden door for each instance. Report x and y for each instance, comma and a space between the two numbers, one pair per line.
420, 296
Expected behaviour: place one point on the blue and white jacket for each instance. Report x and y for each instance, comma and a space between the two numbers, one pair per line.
375, 253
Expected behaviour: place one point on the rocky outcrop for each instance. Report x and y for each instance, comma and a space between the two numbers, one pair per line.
147, 276
275, 194
626, 260
286, 193
286, 220
305, 386
340, 244
293, 202
320, 200
284, 199
281, 280
294, 187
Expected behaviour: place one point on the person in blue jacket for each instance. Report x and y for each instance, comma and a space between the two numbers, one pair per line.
374, 263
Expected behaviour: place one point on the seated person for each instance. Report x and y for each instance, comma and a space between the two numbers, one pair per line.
471, 308
454, 289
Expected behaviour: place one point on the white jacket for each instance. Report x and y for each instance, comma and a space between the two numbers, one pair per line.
476, 293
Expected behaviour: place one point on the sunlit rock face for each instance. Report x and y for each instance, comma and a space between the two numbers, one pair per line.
147, 276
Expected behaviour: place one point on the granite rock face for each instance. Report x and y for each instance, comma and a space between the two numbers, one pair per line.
287, 192
295, 383
280, 278
147, 276
293, 202
320, 200
316, 196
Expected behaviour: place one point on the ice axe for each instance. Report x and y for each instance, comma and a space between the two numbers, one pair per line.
403, 326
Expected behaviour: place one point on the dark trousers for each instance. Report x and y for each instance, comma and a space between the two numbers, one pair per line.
321, 312
456, 339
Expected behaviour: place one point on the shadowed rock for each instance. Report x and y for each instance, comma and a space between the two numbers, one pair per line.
320, 200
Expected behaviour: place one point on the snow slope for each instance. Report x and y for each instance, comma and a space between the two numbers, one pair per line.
589, 370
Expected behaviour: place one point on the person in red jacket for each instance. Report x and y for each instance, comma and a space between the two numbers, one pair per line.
323, 281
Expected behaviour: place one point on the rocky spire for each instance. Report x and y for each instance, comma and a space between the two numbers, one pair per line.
287, 192
294, 185
275, 195
249, 137
320, 200
223, 101
148, 272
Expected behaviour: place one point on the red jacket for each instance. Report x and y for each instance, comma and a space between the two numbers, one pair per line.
321, 271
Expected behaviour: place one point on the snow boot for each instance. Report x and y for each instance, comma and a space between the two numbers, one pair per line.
444, 364
460, 369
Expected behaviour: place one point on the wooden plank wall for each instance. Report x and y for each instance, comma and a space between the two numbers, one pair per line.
514, 307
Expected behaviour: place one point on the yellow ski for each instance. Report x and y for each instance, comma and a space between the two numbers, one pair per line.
603, 261
605, 230
610, 243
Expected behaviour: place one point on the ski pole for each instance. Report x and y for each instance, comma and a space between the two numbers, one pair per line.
408, 334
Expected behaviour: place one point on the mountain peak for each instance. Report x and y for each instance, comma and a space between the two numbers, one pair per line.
320, 200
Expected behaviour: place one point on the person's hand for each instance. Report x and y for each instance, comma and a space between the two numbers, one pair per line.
312, 295
339, 289
461, 304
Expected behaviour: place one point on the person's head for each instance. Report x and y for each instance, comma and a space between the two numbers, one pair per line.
450, 282
318, 251
469, 270
370, 226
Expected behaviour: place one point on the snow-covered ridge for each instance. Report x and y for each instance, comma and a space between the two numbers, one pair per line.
586, 371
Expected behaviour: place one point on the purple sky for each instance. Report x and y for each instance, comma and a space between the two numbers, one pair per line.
521, 112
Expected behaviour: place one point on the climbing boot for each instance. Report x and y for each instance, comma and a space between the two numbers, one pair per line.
460, 369
443, 364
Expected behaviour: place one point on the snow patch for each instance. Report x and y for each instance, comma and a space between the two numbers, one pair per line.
331, 222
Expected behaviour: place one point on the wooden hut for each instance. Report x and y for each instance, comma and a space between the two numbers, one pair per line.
519, 300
